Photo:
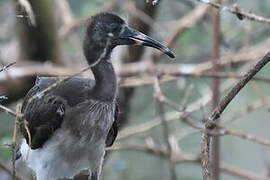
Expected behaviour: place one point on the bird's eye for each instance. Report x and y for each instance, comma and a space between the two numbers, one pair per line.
114, 27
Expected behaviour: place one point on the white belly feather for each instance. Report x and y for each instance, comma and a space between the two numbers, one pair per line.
48, 162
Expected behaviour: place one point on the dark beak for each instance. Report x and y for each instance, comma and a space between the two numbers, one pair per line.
139, 38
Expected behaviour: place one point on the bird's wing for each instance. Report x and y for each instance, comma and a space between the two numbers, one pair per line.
45, 113
114, 129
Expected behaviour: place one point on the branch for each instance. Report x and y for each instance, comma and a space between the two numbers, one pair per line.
222, 130
7, 66
234, 91
70, 27
8, 171
210, 124
185, 22
139, 68
184, 157
241, 14
14, 145
165, 127
9, 111
247, 175
169, 116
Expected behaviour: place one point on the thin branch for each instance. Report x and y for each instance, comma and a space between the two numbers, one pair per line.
187, 97
131, 8
249, 137
222, 130
167, 72
7, 66
244, 174
68, 28
9, 111
25, 125
158, 94
165, 127
14, 145
139, 68
65, 11
258, 91
241, 14
8, 171
184, 23
169, 116
184, 157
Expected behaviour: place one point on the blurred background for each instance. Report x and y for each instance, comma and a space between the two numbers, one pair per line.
213, 48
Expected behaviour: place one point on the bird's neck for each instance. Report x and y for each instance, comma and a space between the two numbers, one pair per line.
106, 85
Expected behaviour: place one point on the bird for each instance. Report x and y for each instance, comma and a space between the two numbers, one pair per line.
69, 126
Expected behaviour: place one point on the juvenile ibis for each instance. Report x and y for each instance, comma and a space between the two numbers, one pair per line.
71, 124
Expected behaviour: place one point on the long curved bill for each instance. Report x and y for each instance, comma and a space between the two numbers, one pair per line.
144, 40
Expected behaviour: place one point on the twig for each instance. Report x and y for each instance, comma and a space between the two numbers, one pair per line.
139, 68
9, 111
68, 28
147, 126
8, 171
25, 125
161, 98
144, 17
14, 145
167, 72
184, 157
184, 23
222, 130
3, 64
244, 174
241, 14
187, 97
165, 127
249, 137
29, 11
7, 66
65, 12
256, 88
180, 157
223, 75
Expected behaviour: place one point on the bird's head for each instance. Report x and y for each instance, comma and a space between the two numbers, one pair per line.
106, 26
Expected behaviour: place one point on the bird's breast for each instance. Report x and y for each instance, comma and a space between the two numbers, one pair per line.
90, 122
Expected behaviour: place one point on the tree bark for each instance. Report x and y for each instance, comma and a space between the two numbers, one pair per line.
37, 43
